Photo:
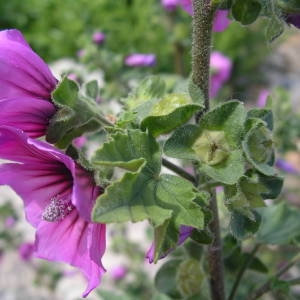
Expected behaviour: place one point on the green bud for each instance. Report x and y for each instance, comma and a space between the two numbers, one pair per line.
211, 147
189, 277
261, 145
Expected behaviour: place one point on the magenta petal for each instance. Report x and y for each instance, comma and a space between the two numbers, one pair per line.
22, 71
36, 185
84, 190
221, 21
76, 242
29, 114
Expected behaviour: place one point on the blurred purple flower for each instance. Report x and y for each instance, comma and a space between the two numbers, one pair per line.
80, 53
293, 19
140, 60
262, 98
26, 84
170, 5
79, 142
221, 66
74, 77
185, 232
286, 166
58, 197
26, 251
98, 37
10, 221
221, 21
119, 272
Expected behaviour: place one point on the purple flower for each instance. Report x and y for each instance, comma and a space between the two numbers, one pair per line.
58, 197
26, 251
140, 60
79, 142
293, 19
185, 232
262, 98
98, 37
221, 69
286, 166
170, 5
221, 21
26, 84
119, 272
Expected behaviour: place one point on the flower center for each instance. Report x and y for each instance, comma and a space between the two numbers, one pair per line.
57, 209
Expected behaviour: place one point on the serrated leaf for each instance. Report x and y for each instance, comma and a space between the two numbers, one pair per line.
247, 11
242, 227
165, 200
168, 113
280, 224
129, 151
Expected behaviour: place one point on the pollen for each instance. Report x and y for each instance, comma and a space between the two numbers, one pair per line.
57, 209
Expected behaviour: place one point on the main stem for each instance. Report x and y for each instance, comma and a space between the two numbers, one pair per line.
202, 28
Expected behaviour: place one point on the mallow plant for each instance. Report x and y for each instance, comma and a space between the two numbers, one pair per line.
70, 199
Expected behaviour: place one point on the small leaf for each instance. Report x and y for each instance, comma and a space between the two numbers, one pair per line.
274, 28
264, 114
247, 11
242, 227
168, 113
196, 93
92, 89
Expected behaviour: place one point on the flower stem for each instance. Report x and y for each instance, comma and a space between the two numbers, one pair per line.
176, 169
241, 272
267, 286
202, 28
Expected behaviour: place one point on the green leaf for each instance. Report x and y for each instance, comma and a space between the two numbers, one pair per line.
244, 196
168, 113
264, 114
215, 142
247, 11
228, 171
280, 224
196, 93
75, 115
65, 93
150, 88
129, 151
92, 89
274, 28
165, 279
242, 227
189, 277
167, 201
258, 148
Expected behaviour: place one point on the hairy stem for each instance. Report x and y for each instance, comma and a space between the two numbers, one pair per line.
266, 287
241, 272
202, 27
178, 170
